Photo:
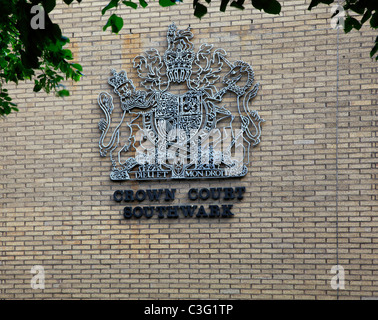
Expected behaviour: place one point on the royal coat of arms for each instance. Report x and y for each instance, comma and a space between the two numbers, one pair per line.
191, 134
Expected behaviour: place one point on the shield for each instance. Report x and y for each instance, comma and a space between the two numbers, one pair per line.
183, 112
177, 119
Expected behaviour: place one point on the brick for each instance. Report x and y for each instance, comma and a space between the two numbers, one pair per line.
56, 206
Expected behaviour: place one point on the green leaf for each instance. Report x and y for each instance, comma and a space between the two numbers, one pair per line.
130, 4
118, 24
143, 3
48, 5
64, 40
6, 108
3, 64
55, 32
238, 4
63, 93
77, 76
258, 4
111, 4
351, 23
223, 5
375, 49
68, 1
358, 7
366, 16
67, 54
314, 3
166, 3
272, 7
77, 66
37, 87
115, 22
29, 60
374, 20
200, 10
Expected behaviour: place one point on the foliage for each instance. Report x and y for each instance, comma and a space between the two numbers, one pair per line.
39, 54
364, 9
32, 54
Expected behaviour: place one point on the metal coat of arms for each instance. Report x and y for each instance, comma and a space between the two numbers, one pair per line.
190, 134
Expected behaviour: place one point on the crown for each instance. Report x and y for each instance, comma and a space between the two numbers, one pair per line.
179, 56
118, 79
123, 86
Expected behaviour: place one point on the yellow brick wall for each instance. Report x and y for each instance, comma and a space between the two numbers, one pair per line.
309, 197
